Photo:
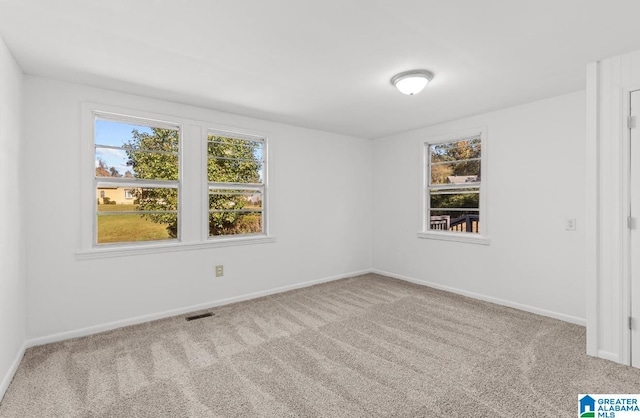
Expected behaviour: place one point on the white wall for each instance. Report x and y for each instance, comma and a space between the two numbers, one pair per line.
320, 215
12, 262
535, 171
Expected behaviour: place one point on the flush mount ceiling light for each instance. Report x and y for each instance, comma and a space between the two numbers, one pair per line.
411, 82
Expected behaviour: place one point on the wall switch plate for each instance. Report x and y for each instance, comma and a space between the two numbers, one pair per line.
570, 224
219, 270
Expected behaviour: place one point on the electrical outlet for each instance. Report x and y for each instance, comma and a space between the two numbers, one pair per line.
570, 224
219, 270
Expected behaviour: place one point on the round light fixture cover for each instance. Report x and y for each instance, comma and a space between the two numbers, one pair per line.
411, 82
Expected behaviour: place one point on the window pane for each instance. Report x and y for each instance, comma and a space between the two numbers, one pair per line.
220, 146
455, 220
128, 150
450, 199
230, 222
233, 160
131, 227
156, 199
136, 136
112, 163
127, 214
121, 163
153, 166
220, 199
235, 212
456, 172
453, 201
458, 150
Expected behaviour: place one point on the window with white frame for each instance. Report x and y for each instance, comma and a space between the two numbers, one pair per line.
154, 183
236, 184
137, 180
453, 192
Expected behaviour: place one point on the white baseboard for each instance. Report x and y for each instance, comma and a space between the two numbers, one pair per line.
526, 308
607, 355
82, 332
8, 377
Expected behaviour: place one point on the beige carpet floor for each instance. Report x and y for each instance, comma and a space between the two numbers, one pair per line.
368, 346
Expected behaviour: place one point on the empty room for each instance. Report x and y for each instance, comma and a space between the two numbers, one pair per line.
319, 209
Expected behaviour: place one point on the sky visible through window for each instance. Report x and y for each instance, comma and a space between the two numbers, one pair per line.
115, 134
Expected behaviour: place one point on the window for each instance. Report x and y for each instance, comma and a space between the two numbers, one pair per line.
235, 176
137, 176
453, 193
153, 183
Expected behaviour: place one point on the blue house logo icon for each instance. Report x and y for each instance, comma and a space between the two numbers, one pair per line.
587, 407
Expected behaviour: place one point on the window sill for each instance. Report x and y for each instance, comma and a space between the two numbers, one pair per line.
458, 237
124, 251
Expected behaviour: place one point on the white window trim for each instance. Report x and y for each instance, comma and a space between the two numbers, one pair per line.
481, 237
193, 226
162, 247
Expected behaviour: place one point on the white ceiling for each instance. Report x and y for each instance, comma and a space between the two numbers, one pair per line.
323, 64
